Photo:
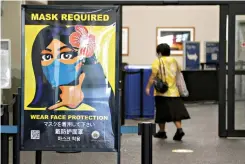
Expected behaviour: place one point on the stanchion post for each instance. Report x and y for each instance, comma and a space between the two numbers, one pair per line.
146, 130
16, 138
4, 137
141, 92
123, 97
38, 158
202, 66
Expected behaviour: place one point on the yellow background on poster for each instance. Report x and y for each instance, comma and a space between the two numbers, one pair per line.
105, 53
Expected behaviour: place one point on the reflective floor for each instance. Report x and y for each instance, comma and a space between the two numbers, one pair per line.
201, 137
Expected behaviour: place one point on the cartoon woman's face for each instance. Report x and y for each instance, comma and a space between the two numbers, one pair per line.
60, 51
60, 63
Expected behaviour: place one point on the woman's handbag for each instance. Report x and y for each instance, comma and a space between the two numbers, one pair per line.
160, 85
181, 85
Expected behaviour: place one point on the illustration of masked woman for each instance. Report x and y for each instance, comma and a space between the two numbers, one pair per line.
68, 75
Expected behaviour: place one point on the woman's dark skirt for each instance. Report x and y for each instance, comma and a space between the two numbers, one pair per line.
170, 109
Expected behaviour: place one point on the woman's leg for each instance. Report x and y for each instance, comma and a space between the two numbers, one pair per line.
178, 124
159, 118
179, 133
161, 133
162, 127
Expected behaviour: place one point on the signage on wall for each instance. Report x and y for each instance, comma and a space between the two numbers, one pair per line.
5, 66
191, 55
212, 54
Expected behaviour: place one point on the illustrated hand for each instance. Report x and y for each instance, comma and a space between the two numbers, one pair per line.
147, 91
71, 96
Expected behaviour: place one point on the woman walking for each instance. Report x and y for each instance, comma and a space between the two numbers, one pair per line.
169, 106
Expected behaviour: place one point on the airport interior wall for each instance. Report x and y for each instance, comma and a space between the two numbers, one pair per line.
142, 22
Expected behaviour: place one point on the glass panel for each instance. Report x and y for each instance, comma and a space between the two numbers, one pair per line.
240, 43
240, 102
240, 79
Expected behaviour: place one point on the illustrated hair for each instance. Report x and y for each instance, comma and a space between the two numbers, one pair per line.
44, 92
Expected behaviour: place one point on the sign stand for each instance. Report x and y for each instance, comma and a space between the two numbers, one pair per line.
4, 137
38, 158
16, 122
35, 130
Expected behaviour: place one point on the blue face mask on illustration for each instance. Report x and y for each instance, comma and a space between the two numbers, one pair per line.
59, 73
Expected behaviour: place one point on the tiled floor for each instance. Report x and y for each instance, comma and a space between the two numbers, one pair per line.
201, 137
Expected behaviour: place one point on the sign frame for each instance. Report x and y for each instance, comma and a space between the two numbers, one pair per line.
118, 59
184, 55
205, 52
173, 30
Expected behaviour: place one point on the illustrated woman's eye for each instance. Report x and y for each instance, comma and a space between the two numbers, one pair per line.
67, 55
46, 57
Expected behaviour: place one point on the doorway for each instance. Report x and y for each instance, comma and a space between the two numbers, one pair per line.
232, 71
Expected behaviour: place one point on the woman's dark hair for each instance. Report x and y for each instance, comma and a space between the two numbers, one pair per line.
45, 95
163, 49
